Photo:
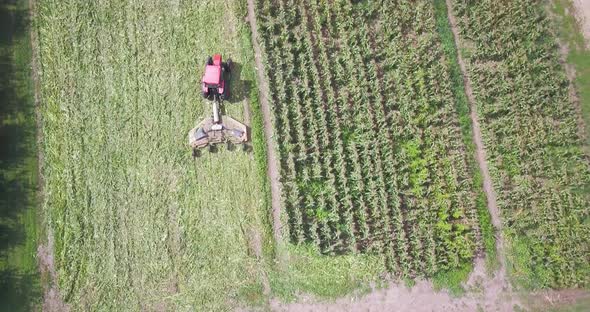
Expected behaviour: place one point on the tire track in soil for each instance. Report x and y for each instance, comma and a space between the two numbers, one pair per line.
271, 156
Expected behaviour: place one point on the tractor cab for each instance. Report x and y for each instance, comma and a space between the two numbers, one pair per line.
212, 76
214, 79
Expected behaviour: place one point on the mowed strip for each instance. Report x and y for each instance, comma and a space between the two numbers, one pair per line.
139, 224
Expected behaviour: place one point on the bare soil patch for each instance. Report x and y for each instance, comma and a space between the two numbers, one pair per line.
422, 297
583, 14
52, 299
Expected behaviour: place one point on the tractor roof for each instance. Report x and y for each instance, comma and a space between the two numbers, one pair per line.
212, 74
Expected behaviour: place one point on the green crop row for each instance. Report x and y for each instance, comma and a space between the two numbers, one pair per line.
371, 149
538, 165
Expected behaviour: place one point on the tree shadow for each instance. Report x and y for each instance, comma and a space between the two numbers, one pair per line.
17, 130
19, 282
18, 291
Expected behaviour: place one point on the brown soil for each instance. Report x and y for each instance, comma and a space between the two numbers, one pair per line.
421, 297
553, 299
582, 8
52, 299
272, 159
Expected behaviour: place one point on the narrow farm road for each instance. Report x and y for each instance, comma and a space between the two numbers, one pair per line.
583, 12
272, 159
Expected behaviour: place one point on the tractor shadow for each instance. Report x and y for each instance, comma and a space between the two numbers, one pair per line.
239, 88
240, 92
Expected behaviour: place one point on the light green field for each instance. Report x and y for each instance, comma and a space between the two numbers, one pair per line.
137, 223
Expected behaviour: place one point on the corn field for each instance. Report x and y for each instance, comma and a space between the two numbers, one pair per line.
371, 153
538, 164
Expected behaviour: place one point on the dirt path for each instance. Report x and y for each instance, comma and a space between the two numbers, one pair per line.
582, 8
272, 159
581, 12
488, 187
570, 71
423, 298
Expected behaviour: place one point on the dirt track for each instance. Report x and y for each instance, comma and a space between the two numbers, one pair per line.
499, 281
583, 13
272, 159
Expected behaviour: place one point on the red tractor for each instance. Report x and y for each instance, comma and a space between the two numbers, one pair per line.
215, 82
216, 128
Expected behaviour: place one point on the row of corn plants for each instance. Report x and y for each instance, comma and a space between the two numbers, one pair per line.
372, 157
537, 160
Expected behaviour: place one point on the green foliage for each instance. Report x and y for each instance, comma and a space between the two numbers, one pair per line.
537, 160
452, 279
372, 156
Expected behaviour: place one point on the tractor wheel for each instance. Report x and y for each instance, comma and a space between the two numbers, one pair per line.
209, 61
205, 94
213, 148
196, 153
